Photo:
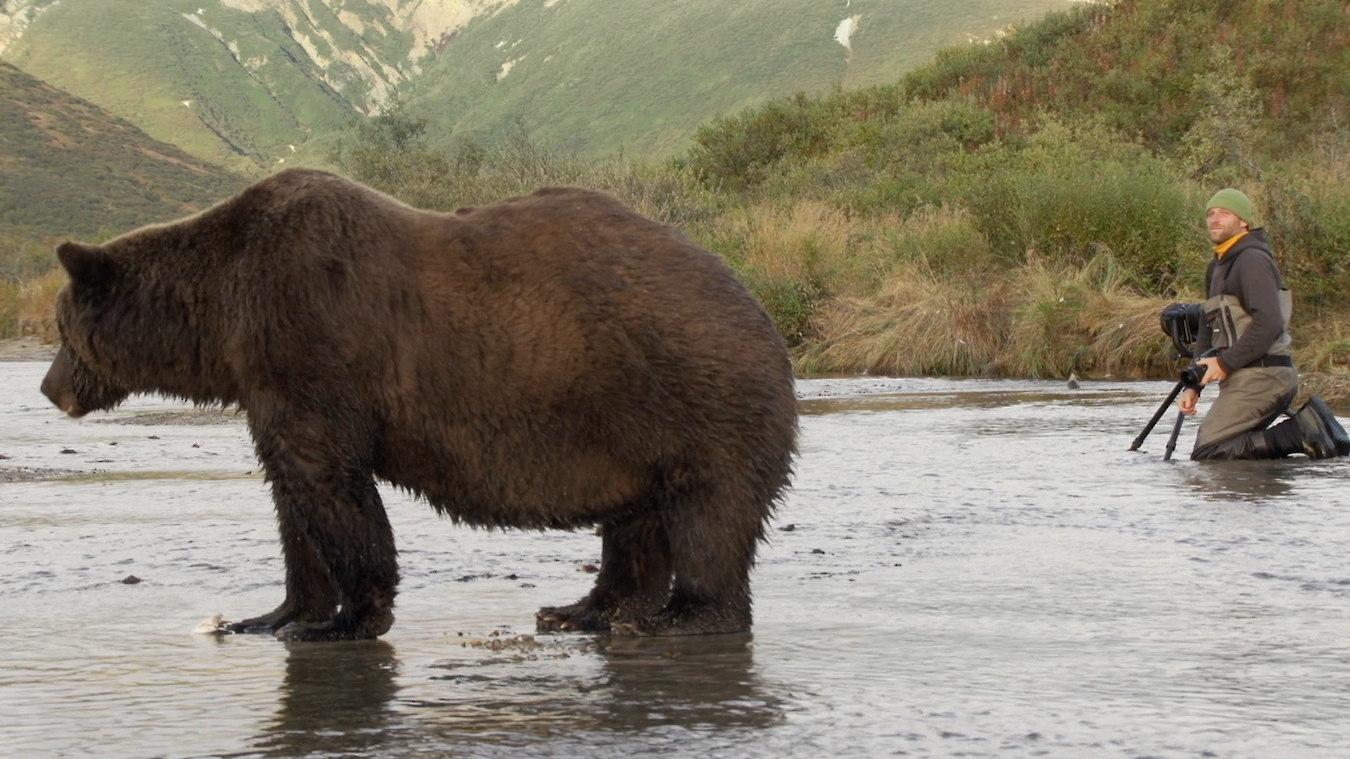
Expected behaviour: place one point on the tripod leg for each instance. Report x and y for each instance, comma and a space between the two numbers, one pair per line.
1172, 396
1172, 441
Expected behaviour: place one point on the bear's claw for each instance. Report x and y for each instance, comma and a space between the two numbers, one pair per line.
579, 617
266, 624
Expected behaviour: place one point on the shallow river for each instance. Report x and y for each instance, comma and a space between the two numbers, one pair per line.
964, 568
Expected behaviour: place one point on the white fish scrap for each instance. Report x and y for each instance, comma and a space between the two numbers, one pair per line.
213, 626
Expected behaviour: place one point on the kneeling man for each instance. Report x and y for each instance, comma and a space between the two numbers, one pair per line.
1244, 345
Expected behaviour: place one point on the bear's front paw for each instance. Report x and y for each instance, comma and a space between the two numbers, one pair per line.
340, 628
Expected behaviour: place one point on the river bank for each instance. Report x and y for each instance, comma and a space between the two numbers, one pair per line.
26, 349
1332, 386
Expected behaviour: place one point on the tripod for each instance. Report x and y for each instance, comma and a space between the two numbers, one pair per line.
1181, 322
1176, 428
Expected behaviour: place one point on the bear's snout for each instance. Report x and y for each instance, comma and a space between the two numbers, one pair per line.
67, 403
58, 386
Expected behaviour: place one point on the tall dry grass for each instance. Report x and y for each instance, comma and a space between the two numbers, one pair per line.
27, 307
803, 241
943, 306
925, 308
918, 324
799, 256
1083, 319
1322, 350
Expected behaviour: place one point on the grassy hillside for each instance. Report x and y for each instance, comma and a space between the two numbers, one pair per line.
67, 168
596, 76
1058, 176
1160, 70
1123, 106
1214, 84
1020, 208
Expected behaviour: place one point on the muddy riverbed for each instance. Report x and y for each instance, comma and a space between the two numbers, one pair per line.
965, 568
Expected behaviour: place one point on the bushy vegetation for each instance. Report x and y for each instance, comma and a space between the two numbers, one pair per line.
391, 153
938, 226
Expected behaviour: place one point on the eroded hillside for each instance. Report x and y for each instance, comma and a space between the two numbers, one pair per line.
246, 83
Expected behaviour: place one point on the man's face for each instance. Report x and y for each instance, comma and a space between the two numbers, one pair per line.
1224, 225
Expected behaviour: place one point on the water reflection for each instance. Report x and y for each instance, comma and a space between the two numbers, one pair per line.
336, 700
1249, 481
604, 687
344, 699
702, 681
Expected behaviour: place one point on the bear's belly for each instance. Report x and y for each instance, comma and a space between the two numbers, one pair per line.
536, 487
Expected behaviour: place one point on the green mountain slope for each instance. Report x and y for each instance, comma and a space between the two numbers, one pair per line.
67, 168
1161, 68
598, 75
251, 84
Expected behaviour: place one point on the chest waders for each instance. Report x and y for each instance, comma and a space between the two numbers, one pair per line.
1228, 321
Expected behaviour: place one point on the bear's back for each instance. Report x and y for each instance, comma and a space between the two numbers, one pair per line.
576, 269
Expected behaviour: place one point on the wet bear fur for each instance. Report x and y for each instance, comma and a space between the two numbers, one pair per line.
549, 361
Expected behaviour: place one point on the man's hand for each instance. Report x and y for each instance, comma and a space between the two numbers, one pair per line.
1188, 400
1213, 370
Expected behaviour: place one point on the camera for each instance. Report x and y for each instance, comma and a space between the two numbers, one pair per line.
1181, 322
1194, 374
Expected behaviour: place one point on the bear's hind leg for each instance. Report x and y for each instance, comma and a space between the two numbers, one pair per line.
713, 534
634, 579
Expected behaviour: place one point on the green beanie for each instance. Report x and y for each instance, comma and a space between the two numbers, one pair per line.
1233, 200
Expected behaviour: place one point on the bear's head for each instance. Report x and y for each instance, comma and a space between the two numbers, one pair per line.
72, 382
139, 315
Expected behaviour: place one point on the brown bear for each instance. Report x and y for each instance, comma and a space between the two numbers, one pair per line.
548, 361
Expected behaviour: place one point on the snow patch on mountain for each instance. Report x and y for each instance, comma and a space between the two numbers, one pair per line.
843, 34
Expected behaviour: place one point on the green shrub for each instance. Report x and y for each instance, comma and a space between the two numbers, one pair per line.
22, 260
1309, 223
791, 303
1073, 192
915, 134
737, 152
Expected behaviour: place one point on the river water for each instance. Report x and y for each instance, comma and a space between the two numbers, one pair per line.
964, 568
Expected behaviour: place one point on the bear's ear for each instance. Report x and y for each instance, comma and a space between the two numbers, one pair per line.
87, 265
